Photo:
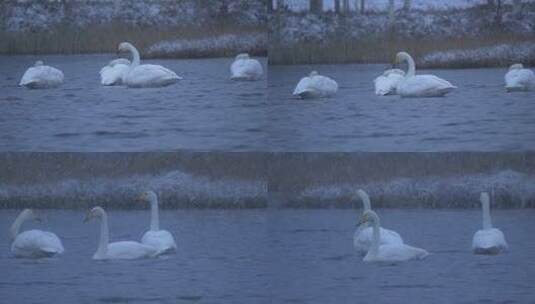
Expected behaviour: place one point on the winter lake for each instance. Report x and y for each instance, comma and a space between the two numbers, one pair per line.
204, 111
478, 116
276, 256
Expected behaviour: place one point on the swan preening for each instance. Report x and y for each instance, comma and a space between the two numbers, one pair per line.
124, 250
413, 85
363, 237
315, 86
33, 243
113, 73
245, 68
488, 240
162, 240
386, 84
41, 76
145, 75
519, 79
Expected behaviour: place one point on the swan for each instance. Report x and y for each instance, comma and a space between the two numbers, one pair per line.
519, 79
41, 76
245, 68
386, 84
113, 73
125, 250
420, 85
145, 75
315, 86
162, 240
488, 240
388, 252
363, 237
33, 243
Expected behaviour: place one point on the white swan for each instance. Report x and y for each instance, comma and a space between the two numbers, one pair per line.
488, 240
413, 85
386, 84
245, 68
146, 75
162, 240
519, 79
315, 86
113, 73
363, 237
125, 250
41, 76
388, 252
33, 243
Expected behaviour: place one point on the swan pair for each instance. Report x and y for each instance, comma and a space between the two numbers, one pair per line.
519, 79
41, 76
409, 84
245, 68
380, 244
153, 243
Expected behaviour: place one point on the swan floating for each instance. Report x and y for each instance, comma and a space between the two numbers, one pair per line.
246, 68
519, 79
42, 76
33, 243
386, 84
363, 237
315, 86
125, 250
488, 240
162, 240
113, 73
388, 252
146, 75
413, 85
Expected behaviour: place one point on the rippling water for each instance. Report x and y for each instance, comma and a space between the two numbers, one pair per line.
479, 116
205, 111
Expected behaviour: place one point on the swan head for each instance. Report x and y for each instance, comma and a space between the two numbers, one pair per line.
242, 56
313, 73
369, 217
484, 198
96, 212
402, 56
516, 66
38, 63
125, 47
32, 214
149, 196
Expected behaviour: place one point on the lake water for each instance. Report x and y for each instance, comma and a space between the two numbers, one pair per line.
276, 256
205, 111
478, 116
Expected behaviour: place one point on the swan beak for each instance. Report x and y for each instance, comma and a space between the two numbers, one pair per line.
87, 218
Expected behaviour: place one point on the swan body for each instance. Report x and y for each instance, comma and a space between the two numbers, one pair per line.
488, 240
386, 84
42, 76
519, 79
413, 85
124, 250
146, 75
363, 236
113, 73
315, 86
33, 243
162, 240
245, 68
388, 253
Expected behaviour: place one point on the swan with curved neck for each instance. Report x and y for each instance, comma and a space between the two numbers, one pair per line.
315, 86
488, 240
126, 250
162, 240
388, 252
145, 75
519, 79
41, 76
33, 243
413, 85
246, 68
363, 236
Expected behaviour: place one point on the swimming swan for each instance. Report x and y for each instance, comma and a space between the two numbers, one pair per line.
386, 84
41, 76
113, 73
125, 250
388, 252
245, 68
162, 240
519, 79
33, 243
488, 240
315, 86
146, 75
363, 237
413, 85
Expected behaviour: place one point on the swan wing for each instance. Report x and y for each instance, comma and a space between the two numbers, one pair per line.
316, 86
424, 86
113, 75
162, 240
42, 77
362, 239
397, 253
36, 243
246, 69
520, 79
489, 241
150, 75
386, 85
129, 250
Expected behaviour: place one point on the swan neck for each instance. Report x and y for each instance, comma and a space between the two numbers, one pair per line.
15, 228
367, 204
487, 222
104, 236
135, 56
412, 67
374, 249
154, 217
